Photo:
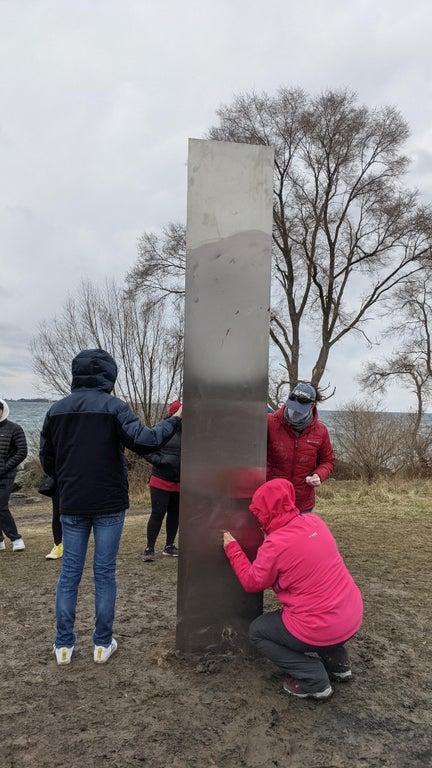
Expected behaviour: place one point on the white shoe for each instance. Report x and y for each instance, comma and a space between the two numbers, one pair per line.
342, 675
292, 686
102, 653
63, 655
2, 546
18, 545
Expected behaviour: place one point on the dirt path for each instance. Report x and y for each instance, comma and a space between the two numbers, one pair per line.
149, 707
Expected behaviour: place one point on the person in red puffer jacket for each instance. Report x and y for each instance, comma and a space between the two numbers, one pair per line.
322, 606
299, 446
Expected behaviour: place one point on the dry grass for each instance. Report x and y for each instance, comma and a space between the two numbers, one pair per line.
403, 496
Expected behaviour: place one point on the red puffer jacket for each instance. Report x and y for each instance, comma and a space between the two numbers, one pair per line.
296, 456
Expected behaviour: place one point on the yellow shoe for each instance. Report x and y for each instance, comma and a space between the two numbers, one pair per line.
56, 552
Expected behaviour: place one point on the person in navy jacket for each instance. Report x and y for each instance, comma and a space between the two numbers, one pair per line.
82, 448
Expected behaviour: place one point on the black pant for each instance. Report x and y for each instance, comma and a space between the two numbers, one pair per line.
57, 527
7, 523
163, 503
270, 637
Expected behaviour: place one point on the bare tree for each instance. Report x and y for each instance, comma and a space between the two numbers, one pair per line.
406, 368
346, 232
160, 267
413, 324
368, 440
148, 348
411, 362
278, 388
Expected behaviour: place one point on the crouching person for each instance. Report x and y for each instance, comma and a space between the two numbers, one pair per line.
82, 450
321, 604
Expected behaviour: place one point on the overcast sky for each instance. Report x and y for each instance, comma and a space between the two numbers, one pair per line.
98, 98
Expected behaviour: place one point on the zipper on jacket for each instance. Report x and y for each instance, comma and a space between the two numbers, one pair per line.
295, 457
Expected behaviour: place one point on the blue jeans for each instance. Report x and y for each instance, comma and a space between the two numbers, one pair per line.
107, 530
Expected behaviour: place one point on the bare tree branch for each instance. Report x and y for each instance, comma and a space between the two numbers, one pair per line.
147, 346
342, 217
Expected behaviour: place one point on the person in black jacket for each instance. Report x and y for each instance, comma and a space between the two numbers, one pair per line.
165, 493
13, 450
82, 449
49, 488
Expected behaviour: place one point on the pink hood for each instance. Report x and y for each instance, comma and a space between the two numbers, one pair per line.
273, 504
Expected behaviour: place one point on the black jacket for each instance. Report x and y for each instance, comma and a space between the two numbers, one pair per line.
48, 487
13, 445
166, 462
84, 436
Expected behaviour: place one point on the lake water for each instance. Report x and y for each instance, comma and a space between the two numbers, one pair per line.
31, 415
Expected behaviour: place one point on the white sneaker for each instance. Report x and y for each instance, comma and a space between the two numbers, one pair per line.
2, 546
18, 545
63, 655
102, 653
342, 675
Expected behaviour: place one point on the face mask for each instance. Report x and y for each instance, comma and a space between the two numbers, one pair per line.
295, 416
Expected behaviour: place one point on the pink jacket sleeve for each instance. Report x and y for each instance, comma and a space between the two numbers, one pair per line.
326, 458
256, 576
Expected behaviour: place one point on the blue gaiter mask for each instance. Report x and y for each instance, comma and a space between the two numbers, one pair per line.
298, 421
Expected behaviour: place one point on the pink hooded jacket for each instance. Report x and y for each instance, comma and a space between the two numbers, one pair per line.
299, 559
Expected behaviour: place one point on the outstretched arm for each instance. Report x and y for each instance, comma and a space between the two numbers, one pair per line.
256, 576
140, 439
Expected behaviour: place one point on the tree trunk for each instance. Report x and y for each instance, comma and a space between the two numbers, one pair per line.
320, 365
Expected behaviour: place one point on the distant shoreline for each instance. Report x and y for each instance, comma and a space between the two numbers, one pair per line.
43, 400
28, 400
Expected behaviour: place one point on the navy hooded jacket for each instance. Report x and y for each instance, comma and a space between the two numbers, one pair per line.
84, 435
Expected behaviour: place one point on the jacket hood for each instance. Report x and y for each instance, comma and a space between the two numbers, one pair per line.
5, 412
273, 504
94, 369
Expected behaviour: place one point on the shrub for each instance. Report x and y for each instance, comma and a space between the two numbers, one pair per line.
370, 443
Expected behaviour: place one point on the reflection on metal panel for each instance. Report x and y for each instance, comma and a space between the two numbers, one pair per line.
225, 383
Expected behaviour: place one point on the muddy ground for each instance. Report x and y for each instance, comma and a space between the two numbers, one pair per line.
149, 707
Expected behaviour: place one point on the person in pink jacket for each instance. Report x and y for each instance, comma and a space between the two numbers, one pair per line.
322, 606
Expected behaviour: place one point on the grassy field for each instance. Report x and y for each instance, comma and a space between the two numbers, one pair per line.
152, 707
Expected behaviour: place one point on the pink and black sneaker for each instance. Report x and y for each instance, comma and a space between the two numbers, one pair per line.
292, 686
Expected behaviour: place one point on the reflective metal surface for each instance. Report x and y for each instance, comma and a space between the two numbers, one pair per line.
225, 384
